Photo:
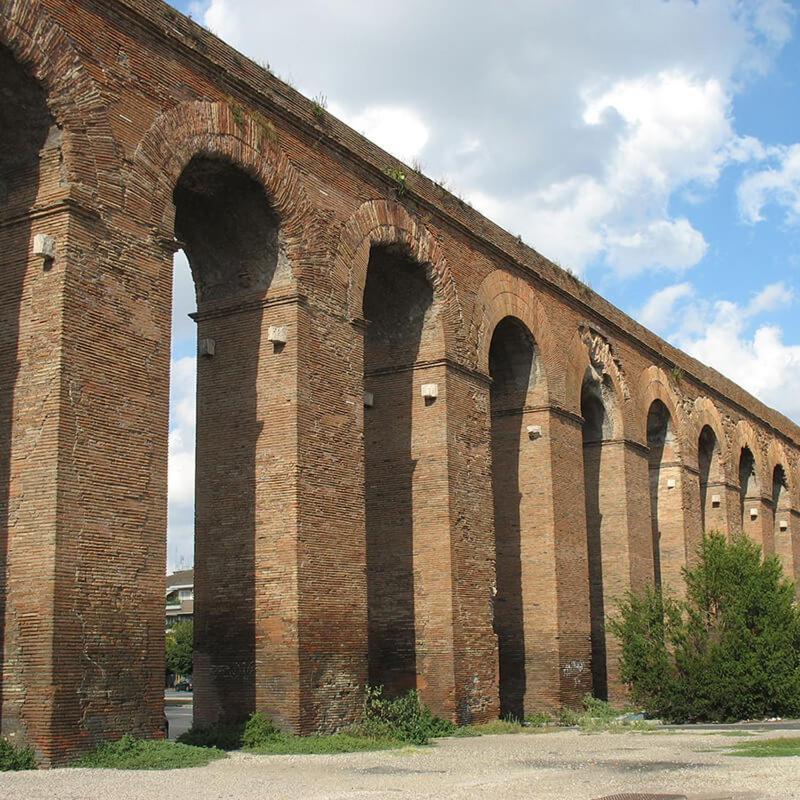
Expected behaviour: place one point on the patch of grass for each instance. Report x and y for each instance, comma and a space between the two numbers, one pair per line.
131, 753
14, 757
500, 726
387, 723
285, 744
769, 748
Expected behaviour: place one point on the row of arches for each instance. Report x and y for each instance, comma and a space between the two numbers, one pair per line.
418, 559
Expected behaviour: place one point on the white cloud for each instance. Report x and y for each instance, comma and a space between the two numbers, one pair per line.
399, 131
570, 123
779, 185
657, 312
731, 338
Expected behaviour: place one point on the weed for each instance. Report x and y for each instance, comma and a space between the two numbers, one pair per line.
14, 757
539, 719
398, 177
676, 373
131, 753
318, 107
237, 112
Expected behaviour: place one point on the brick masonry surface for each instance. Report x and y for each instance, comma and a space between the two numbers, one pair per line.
468, 543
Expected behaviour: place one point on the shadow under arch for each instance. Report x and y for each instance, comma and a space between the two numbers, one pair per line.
515, 372
597, 401
233, 240
402, 331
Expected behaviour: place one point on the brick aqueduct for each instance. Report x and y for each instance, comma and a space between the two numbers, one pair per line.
426, 456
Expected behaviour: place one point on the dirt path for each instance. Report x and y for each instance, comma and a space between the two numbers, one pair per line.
551, 766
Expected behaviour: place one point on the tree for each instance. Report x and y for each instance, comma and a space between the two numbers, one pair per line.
729, 651
180, 647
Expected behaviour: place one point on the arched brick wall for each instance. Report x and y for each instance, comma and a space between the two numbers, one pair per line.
217, 130
503, 295
91, 157
379, 222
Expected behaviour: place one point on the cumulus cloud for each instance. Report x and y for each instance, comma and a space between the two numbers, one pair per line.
778, 184
657, 312
734, 339
570, 123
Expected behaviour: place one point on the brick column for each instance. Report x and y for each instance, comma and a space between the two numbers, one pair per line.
246, 584
673, 485
720, 512
472, 546
620, 542
572, 632
759, 528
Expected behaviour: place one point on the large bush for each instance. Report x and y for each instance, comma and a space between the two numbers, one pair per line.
405, 719
729, 651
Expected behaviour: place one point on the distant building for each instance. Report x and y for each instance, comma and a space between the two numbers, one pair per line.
180, 597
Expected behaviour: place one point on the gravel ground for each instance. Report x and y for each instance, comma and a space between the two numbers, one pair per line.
546, 766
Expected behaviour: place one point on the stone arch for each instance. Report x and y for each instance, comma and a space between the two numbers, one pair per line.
777, 456
503, 295
216, 130
591, 352
655, 385
744, 437
382, 222
708, 454
74, 99
705, 413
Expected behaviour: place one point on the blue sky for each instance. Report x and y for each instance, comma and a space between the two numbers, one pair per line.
653, 146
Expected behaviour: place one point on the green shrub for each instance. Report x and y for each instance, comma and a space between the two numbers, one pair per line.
131, 753
258, 729
730, 651
223, 735
13, 757
405, 719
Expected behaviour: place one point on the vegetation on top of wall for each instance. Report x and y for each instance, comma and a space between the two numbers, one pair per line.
729, 651
14, 757
318, 107
398, 177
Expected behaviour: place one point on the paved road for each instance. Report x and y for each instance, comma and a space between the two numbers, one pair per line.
178, 715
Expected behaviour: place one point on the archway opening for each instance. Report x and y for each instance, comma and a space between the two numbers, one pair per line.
666, 499
782, 520
231, 239
30, 170
401, 320
749, 494
596, 397
513, 369
709, 465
